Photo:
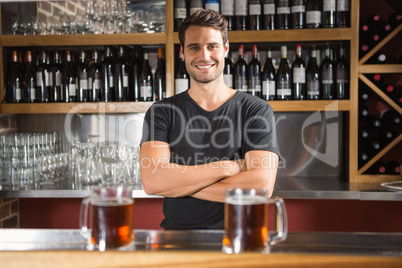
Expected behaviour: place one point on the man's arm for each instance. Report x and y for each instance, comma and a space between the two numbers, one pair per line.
261, 173
160, 177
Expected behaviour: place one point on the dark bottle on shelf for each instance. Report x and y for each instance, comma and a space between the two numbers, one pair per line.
363, 112
378, 80
195, 5
341, 75
182, 79
228, 72
69, 91
269, 9
283, 78
121, 76
134, 91
82, 77
377, 168
14, 81
28, 79
327, 76
254, 14
96, 89
391, 120
240, 72
108, 70
212, 5
313, 14
57, 73
160, 77
393, 21
363, 155
43, 77
342, 13
298, 10
282, 14
254, 74
299, 76
268, 78
146, 79
228, 11
313, 77
241, 12
180, 13
328, 13
377, 58
393, 168
386, 136
371, 29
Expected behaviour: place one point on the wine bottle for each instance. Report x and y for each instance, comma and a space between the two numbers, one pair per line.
371, 29
180, 13
254, 74
228, 11
269, 15
313, 76
363, 155
96, 89
298, 10
82, 74
393, 21
328, 13
363, 94
146, 80
241, 12
385, 136
254, 14
341, 75
57, 73
69, 91
268, 78
228, 71
43, 75
299, 76
282, 14
327, 75
313, 14
283, 83
160, 77
342, 13
182, 79
391, 120
363, 113
377, 168
377, 58
14, 81
378, 80
134, 93
121, 76
393, 168
240, 72
195, 5
212, 5
108, 70
28, 79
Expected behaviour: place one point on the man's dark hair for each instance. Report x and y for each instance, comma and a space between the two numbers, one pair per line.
205, 18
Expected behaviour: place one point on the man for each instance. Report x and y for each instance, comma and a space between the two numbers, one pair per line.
209, 138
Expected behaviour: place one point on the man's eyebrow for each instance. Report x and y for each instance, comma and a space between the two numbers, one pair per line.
197, 44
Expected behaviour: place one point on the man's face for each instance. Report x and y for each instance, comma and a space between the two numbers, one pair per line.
204, 53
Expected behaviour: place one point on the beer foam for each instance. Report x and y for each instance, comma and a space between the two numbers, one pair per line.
245, 200
113, 201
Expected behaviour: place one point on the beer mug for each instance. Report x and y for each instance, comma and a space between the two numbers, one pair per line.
110, 221
246, 221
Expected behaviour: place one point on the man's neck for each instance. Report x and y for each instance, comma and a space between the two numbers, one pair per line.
210, 96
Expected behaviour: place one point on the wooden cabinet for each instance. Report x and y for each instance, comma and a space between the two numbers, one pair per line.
170, 39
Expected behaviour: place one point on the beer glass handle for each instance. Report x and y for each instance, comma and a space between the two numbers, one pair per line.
283, 226
84, 218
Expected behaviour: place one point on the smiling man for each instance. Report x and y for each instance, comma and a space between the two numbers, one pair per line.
209, 138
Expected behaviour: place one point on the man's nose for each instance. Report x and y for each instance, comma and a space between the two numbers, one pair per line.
205, 53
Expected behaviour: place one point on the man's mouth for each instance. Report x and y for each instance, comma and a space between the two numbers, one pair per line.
204, 66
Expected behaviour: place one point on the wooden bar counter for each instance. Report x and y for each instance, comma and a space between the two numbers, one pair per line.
198, 248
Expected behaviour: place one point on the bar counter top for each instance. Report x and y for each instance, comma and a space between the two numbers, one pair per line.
198, 248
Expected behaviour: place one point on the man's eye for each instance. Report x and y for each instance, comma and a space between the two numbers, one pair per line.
193, 48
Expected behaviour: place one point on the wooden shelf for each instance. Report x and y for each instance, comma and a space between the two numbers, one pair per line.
141, 107
83, 40
380, 68
75, 107
299, 35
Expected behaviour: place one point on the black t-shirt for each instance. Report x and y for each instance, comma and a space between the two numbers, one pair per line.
241, 124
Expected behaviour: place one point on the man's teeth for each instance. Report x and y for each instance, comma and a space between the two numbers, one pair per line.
204, 66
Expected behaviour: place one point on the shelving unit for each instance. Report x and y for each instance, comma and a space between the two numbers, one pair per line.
170, 39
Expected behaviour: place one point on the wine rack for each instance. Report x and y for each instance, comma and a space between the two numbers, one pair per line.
365, 71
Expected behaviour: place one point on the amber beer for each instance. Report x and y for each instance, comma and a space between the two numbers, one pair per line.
246, 223
112, 222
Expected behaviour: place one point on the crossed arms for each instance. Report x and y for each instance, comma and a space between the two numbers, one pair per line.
207, 181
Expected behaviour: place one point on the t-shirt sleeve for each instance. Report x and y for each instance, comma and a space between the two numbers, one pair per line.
260, 130
156, 124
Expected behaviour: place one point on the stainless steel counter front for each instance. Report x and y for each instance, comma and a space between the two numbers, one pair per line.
288, 188
382, 244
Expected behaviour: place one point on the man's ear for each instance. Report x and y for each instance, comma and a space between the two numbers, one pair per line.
226, 48
181, 51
